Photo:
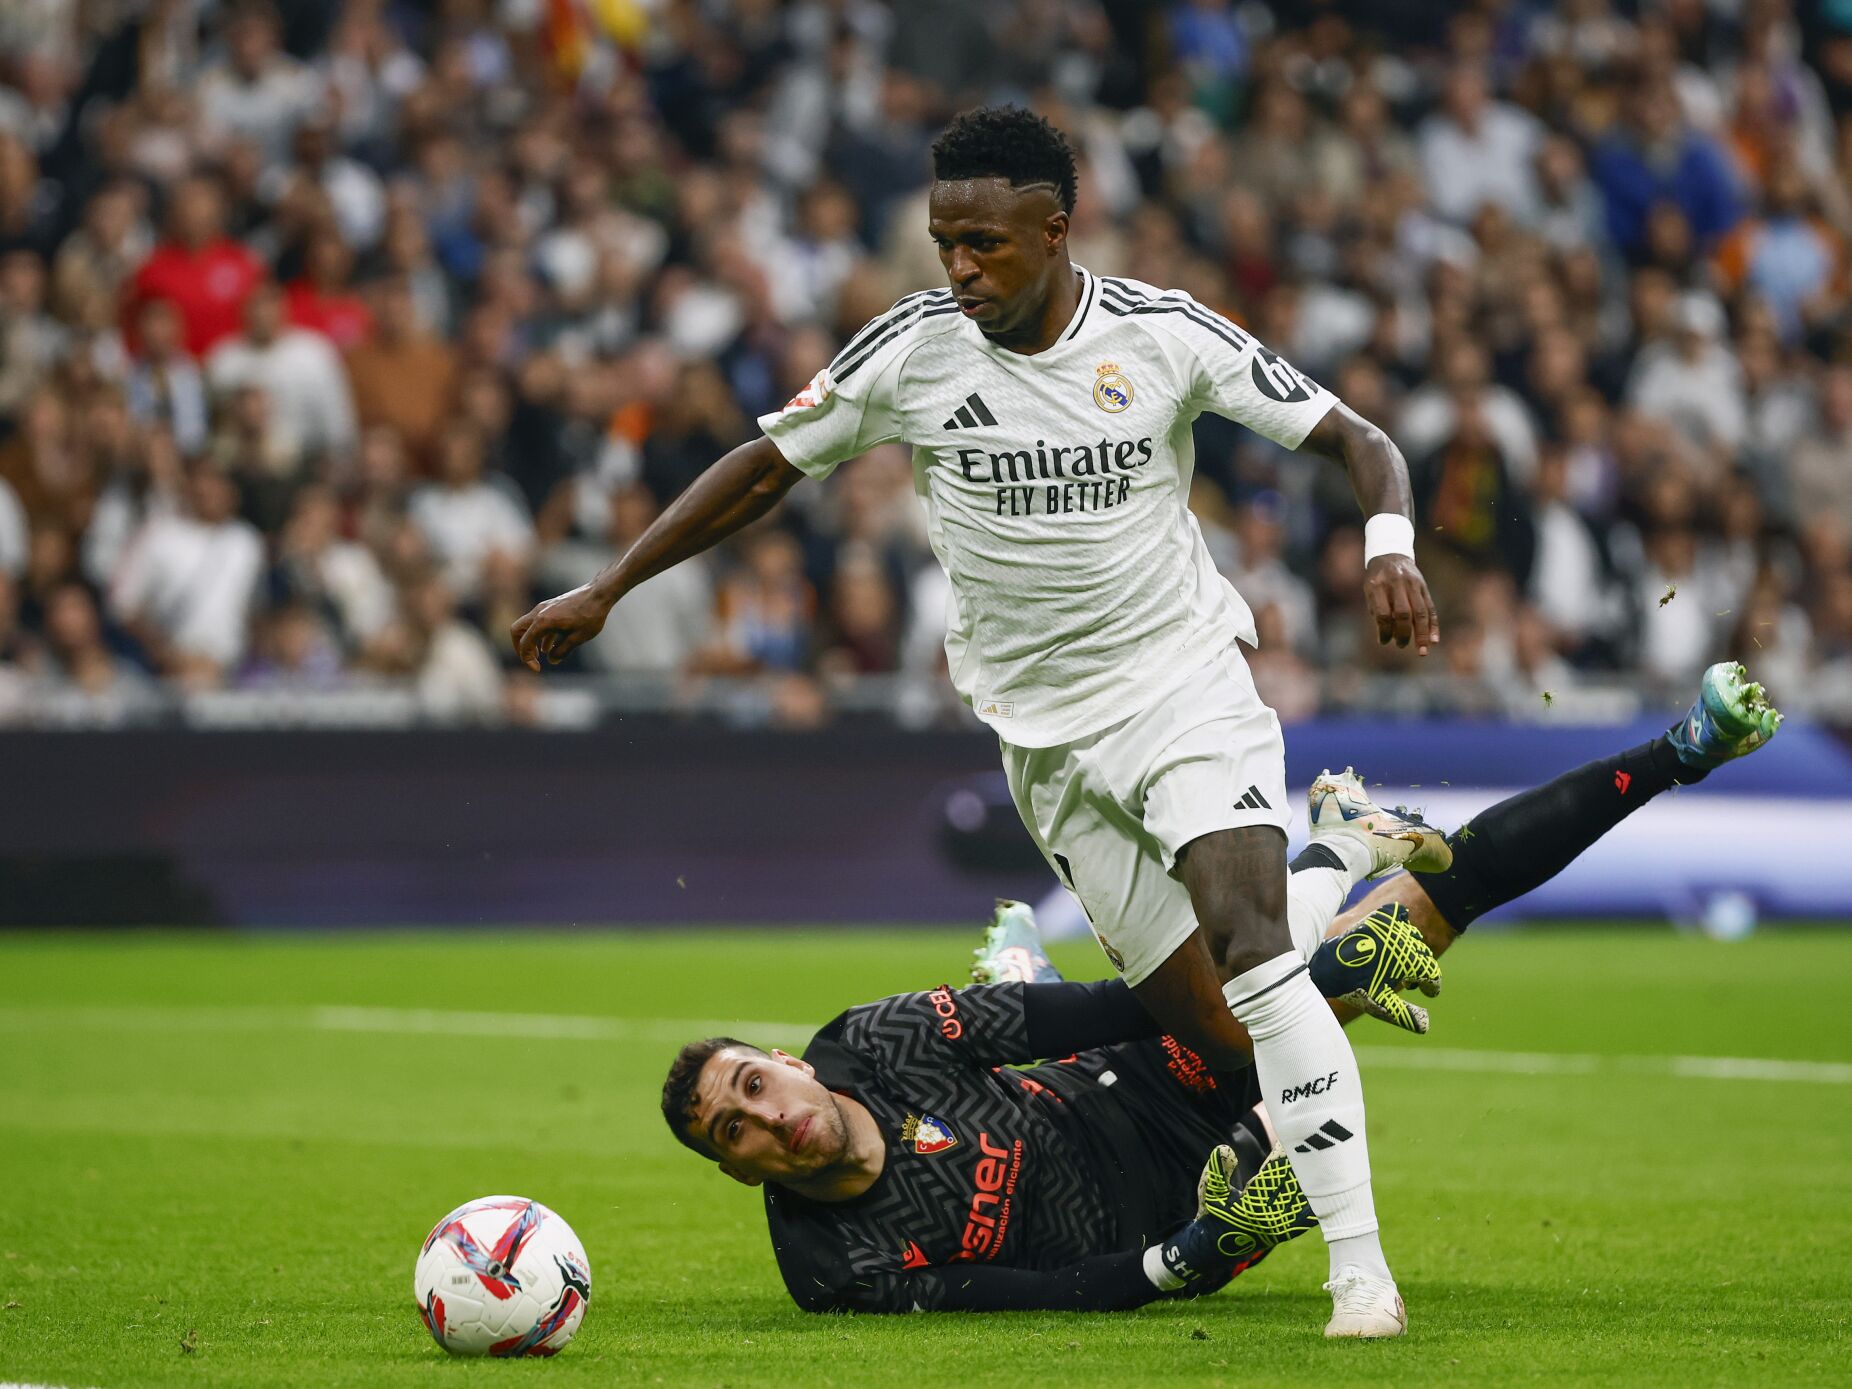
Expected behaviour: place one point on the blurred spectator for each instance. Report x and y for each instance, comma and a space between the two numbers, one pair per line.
455, 673
256, 91
43, 466
1821, 465
31, 340
1476, 150
1474, 516
1568, 584
466, 516
698, 424
863, 636
100, 255
356, 199
1286, 682
148, 480
1430, 414
1568, 210
297, 370
1692, 381
322, 300
403, 376
165, 386
1262, 576
1788, 255
294, 652
30, 206
326, 573
186, 585
13, 531
203, 272
76, 657
1655, 159
767, 609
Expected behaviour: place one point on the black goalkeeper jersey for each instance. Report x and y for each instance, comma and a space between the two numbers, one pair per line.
990, 1168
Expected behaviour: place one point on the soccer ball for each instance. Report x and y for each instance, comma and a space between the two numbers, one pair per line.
502, 1276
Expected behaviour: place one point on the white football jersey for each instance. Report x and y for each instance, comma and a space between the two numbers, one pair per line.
1057, 489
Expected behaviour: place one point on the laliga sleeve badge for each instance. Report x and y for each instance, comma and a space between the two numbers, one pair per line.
813, 394
927, 1134
1112, 392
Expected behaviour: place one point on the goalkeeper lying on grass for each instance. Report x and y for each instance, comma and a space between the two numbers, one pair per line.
907, 1166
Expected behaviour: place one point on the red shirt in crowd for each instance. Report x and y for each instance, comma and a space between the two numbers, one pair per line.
343, 318
208, 286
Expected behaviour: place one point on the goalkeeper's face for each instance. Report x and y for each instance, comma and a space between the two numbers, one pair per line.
767, 1118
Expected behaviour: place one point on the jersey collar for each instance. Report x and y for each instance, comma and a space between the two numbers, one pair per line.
1084, 314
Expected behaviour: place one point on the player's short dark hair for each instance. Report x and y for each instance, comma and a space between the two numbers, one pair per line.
678, 1091
1010, 143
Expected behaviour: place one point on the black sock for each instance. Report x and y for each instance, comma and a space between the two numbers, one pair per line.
1518, 844
1316, 856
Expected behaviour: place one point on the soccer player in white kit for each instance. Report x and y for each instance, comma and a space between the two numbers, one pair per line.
1049, 410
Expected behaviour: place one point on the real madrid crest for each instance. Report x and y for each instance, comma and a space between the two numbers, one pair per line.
1111, 392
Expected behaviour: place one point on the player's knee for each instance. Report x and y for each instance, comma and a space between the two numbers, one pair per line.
1243, 953
1237, 883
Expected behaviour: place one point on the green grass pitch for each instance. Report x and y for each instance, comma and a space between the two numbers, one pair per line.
218, 1157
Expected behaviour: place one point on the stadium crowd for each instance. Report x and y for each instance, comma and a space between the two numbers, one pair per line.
334, 334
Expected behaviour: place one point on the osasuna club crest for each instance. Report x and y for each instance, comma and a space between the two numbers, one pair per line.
927, 1134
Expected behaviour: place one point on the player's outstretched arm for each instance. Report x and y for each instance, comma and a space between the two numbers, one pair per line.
736, 491
1397, 595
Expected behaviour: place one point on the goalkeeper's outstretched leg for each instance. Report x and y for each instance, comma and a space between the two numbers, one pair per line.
1520, 843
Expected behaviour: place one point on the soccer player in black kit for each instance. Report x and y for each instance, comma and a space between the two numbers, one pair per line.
906, 1167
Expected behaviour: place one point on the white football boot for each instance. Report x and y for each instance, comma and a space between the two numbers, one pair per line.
1399, 838
1363, 1306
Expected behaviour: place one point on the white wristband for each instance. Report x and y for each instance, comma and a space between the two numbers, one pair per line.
1159, 1272
1386, 533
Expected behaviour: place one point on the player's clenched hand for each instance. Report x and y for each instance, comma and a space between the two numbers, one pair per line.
1400, 602
1369, 965
558, 625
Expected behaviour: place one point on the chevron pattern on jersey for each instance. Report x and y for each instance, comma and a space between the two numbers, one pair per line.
936, 1053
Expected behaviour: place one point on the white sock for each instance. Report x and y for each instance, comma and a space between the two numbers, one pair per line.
1361, 1251
1315, 895
1309, 1081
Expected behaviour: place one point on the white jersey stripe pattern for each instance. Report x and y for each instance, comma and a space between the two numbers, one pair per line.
1056, 488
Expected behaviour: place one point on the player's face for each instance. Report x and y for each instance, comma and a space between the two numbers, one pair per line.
1001, 248
768, 1118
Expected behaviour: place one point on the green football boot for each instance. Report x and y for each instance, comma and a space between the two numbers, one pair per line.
1012, 948
1732, 718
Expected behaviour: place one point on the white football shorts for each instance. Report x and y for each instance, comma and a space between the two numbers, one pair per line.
1112, 811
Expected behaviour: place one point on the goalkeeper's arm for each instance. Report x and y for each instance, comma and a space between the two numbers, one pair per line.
1105, 1283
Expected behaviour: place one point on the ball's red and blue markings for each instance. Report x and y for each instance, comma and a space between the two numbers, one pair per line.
494, 1268
576, 1293
514, 1239
433, 1313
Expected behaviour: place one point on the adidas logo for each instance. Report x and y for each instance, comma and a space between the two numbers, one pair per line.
971, 414
1251, 799
1329, 1135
